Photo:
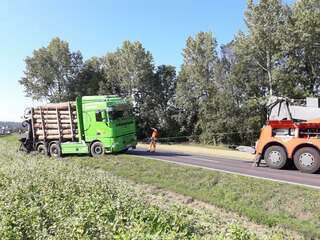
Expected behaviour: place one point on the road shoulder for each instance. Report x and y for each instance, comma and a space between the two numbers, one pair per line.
200, 150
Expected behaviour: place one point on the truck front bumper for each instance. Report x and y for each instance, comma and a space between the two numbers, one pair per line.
124, 142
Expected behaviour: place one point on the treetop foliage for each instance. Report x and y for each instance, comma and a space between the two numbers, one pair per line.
220, 93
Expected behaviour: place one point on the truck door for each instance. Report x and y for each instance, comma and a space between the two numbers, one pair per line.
95, 127
100, 123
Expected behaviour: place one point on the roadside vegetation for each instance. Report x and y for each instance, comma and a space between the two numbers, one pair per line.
87, 198
264, 202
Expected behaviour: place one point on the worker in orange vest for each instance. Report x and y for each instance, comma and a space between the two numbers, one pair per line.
153, 142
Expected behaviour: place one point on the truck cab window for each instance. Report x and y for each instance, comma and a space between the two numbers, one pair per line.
99, 116
120, 112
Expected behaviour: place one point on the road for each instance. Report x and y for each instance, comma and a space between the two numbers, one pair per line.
237, 166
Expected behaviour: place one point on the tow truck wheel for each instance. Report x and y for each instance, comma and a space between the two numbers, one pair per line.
275, 157
97, 149
307, 160
41, 149
55, 150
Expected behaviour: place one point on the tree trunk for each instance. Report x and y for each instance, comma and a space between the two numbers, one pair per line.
269, 70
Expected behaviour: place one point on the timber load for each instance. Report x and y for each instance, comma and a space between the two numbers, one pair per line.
54, 121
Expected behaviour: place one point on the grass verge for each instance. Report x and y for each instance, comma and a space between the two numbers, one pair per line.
81, 197
76, 198
264, 202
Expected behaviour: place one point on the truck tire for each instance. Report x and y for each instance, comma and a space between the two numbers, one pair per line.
275, 157
55, 150
41, 149
97, 149
307, 159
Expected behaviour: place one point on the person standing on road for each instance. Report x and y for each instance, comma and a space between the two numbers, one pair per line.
153, 142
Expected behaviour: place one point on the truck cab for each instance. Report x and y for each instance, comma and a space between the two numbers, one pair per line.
108, 120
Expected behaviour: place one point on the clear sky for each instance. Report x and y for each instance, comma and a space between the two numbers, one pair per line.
97, 27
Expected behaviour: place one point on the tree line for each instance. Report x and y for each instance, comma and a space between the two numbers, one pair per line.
220, 93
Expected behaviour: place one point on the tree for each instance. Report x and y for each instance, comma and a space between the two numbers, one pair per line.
220, 115
87, 81
252, 75
50, 70
197, 73
302, 49
130, 72
164, 94
111, 75
266, 21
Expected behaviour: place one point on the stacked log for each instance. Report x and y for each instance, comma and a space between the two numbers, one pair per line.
55, 122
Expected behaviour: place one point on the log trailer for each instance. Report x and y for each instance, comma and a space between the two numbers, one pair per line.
291, 134
90, 125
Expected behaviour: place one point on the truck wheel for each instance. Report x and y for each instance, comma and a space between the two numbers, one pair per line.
41, 149
97, 149
307, 160
55, 150
275, 157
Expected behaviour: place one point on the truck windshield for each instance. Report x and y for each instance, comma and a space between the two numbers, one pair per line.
119, 112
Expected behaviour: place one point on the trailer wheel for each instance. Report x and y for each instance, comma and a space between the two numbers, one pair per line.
275, 157
97, 149
307, 159
41, 149
55, 150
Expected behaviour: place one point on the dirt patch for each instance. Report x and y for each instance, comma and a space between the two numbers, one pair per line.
214, 219
203, 151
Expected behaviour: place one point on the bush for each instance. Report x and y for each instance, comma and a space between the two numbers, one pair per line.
44, 198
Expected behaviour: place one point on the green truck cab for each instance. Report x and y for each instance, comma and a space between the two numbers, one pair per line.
90, 125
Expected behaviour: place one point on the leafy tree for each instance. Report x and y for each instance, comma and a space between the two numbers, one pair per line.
111, 75
197, 73
164, 94
130, 72
87, 81
301, 45
266, 21
278, 55
50, 70
220, 114
250, 73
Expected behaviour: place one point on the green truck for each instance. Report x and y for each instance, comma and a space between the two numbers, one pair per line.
91, 125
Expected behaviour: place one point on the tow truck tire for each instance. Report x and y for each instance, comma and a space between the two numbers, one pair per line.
41, 149
275, 157
55, 150
97, 149
307, 159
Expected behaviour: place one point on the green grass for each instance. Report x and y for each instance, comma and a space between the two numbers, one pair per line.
63, 199
265, 202
76, 198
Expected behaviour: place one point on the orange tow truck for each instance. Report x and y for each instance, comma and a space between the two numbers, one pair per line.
292, 133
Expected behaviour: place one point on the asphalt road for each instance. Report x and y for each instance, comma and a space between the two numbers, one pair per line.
241, 167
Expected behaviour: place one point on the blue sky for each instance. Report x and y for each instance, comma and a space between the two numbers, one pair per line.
97, 27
